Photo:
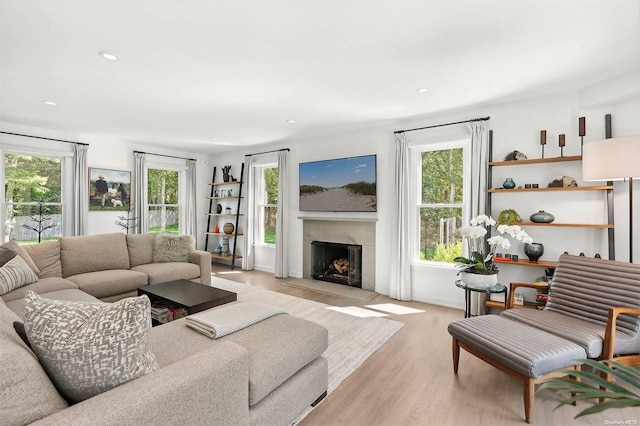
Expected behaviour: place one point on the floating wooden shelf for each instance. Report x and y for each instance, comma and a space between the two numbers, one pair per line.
224, 183
222, 234
569, 225
523, 262
219, 256
536, 161
224, 198
223, 214
570, 188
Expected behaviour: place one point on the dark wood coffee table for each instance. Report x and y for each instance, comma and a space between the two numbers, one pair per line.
192, 296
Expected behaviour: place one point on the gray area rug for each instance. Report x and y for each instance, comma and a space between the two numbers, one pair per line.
331, 288
351, 339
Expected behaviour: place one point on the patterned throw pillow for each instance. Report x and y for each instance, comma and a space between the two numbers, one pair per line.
15, 273
173, 248
90, 347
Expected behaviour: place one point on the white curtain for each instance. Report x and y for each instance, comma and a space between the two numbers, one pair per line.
140, 192
190, 225
478, 187
248, 255
400, 285
282, 252
80, 189
479, 170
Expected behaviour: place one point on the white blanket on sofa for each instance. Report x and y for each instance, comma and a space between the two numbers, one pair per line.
230, 318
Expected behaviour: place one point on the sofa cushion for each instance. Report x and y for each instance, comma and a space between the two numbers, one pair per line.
6, 254
173, 248
43, 285
88, 348
107, 283
46, 256
278, 348
90, 253
13, 245
26, 392
140, 248
165, 272
70, 295
15, 273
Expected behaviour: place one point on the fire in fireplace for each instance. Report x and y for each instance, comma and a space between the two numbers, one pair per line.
336, 262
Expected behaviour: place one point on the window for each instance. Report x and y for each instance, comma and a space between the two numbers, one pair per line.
267, 205
33, 198
440, 201
163, 197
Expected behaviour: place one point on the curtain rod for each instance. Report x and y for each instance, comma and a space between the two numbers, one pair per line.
164, 155
47, 139
267, 152
442, 125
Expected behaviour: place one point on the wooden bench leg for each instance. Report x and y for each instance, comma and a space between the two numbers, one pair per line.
528, 391
456, 355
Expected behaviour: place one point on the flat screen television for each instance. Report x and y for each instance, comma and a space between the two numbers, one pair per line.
339, 185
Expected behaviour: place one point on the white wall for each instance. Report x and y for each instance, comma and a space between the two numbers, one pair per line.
516, 126
111, 154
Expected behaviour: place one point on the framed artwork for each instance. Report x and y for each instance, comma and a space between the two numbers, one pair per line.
109, 190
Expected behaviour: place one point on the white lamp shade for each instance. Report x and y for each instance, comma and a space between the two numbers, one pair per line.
611, 159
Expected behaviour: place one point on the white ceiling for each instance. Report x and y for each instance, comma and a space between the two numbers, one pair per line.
237, 70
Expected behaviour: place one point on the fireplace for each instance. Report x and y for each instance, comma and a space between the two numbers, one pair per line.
337, 263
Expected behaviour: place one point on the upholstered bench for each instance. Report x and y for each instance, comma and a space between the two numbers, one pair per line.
529, 354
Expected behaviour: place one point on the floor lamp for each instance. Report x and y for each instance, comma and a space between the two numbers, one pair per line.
614, 159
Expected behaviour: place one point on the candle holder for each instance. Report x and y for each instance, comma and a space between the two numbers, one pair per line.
561, 143
582, 130
543, 140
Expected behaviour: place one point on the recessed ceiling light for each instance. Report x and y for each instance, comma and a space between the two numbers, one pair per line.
49, 103
291, 121
422, 90
109, 56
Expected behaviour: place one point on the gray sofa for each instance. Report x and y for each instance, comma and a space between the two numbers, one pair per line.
266, 374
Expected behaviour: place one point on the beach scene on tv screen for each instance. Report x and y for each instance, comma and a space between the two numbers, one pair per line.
340, 185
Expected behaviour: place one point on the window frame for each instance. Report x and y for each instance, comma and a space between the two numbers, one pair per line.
416, 192
182, 170
260, 194
64, 203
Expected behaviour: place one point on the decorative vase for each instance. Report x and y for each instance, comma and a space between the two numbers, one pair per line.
225, 178
542, 217
217, 229
534, 251
228, 228
509, 183
225, 246
218, 208
479, 280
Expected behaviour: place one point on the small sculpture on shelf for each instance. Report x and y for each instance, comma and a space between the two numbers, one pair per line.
515, 155
542, 217
562, 182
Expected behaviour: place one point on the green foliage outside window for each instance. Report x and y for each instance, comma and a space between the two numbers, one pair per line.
441, 198
270, 208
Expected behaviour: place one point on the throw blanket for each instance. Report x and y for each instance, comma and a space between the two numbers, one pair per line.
227, 319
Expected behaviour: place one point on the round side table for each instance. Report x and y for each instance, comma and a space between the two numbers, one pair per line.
498, 288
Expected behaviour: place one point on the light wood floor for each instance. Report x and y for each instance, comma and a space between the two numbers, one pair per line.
410, 380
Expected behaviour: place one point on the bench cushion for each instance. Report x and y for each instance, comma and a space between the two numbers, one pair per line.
524, 349
587, 334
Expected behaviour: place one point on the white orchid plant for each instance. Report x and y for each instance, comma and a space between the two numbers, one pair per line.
479, 262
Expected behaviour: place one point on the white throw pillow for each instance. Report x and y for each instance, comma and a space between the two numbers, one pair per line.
90, 347
15, 273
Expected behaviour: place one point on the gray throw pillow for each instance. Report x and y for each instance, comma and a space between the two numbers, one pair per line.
13, 245
15, 273
173, 248
90, 347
